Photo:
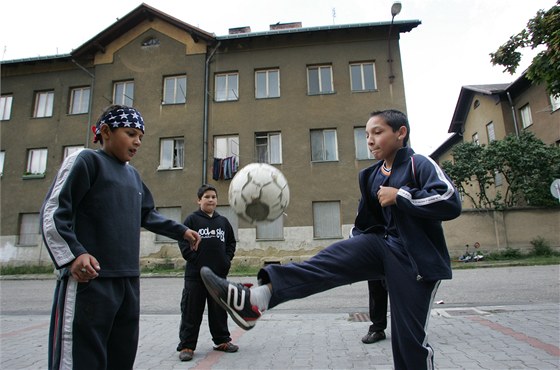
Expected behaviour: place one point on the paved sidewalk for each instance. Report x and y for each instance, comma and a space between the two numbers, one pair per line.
504, 337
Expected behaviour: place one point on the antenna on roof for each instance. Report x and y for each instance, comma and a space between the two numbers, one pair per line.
333, 15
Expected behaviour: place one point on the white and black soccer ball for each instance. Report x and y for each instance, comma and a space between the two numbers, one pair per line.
259, 192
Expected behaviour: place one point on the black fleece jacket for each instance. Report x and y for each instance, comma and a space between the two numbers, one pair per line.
217, 246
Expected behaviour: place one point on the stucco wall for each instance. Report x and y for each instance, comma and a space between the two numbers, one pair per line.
494, 230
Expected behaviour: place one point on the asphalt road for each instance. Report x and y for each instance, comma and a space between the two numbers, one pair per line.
474, 287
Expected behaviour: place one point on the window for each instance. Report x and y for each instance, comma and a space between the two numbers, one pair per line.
326, 220
232, 217
226, 146
475, 139
2, 156
360, 144
172, 213
68, 150
526, 118
172, 154
362, 76
43, 104
227, 87
267, 84
5, 107
28, 229
323, 145
175, 90
498, 179
123, 93
36, 162
79, 100
271, 230
490, 132
319, 80
555, 102
269, 147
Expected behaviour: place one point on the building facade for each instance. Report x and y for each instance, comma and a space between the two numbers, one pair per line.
491, 112
295, 97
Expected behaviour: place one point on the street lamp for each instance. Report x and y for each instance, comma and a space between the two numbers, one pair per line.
395, 9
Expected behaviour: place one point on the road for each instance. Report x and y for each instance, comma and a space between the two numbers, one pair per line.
473, 287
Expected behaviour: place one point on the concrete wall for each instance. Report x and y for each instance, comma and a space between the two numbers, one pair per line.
494, 230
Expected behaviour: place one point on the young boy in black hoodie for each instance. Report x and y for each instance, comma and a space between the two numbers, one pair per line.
216, 251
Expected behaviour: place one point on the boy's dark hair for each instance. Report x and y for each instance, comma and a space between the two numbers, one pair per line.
396, 119
204, 188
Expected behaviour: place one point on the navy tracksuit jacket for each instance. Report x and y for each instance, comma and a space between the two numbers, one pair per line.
412, 263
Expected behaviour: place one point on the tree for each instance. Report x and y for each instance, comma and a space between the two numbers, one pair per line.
527, 165
543, 29
470, 173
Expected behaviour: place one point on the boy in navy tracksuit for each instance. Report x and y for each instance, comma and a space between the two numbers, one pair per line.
217, 248
397, 237
91, 221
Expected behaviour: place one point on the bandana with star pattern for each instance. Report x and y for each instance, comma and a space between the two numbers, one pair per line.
119, 117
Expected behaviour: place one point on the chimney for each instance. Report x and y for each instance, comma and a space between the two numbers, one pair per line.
237, 30
285, 26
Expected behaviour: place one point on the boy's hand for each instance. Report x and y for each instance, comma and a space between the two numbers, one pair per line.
84, 268
193, 238
387, 196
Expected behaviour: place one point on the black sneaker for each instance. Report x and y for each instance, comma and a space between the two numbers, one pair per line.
234, 298
373, 336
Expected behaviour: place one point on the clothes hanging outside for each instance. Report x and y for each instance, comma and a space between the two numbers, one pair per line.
225, 168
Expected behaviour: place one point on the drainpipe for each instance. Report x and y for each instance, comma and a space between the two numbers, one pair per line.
205, 118
513, 114
90, 103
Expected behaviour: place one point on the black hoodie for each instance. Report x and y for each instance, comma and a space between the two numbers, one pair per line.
217, 246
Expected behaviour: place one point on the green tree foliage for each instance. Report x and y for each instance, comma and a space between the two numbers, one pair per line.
542, 30
526, 164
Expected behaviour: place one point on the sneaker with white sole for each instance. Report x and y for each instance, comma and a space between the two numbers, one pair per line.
233, 297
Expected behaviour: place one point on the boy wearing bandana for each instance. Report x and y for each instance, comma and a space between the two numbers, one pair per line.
91, 221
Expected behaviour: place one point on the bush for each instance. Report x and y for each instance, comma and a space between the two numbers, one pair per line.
541, 248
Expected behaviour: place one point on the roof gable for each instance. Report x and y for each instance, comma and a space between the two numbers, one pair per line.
143, 13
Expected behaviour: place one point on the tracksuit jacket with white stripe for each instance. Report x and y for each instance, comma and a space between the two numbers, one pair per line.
426, 197
98, 205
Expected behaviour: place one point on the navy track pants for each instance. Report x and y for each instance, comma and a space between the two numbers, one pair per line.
366, 257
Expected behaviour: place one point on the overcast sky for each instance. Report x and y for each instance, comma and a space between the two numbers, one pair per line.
448, 50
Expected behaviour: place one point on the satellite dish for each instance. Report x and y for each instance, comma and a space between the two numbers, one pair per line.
555, 189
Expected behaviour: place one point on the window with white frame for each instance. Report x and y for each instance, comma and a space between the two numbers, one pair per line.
71, 149
555, 102
227, 86
271, 230
226, 146
172, 154
44, 102
36, 162
79, 100
172, 213
123, 93
267, 84
362, 76
490, 131
324, 145
268, 147
175, 89
360, 144
319, 80
28, 229
475, 139
232, 217
526, 117
6, 107
326, 220
2, 156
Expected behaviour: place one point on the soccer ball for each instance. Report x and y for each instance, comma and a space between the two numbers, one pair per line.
259, 192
